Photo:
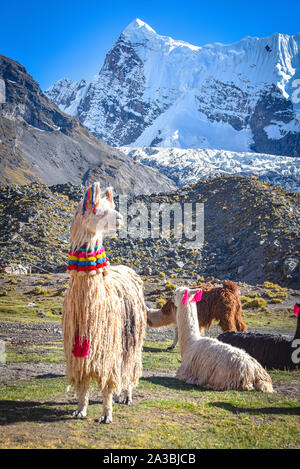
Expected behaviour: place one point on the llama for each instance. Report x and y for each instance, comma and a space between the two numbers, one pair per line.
104, 314
207, 362
220, 303
271, 351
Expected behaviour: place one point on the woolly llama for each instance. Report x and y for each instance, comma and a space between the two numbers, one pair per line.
271, 351
104, 315
208, 362
218, 303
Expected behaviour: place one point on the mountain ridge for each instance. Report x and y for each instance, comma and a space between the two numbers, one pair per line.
251, 231
40, 142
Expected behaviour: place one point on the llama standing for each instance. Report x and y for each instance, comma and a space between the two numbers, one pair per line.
208, 362
104, 315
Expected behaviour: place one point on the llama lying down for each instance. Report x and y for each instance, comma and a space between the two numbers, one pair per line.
104, 314
209, 363
221, 303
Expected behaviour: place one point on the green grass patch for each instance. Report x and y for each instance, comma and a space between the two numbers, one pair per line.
17, 307
271, 320
34, 354
156, 357
166, 413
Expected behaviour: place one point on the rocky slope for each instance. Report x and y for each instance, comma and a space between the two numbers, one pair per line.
153, 90
40, 142
251, 231
187, 166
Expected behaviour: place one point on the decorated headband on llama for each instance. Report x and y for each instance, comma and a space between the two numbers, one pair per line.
197, 297
296, 309
92, 198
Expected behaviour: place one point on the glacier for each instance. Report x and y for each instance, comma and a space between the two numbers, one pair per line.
187, 166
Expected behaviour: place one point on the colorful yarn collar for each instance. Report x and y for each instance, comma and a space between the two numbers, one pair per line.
83, 260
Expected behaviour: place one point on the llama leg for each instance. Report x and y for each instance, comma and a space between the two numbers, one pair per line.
240, 325
128, 396
175, 339
83, 399
227, 324
107, 395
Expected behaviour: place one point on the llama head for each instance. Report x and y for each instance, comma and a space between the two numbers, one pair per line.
95, 214
183, 296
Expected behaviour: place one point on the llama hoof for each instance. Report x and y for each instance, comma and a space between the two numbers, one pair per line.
105, 419
79, 414
126, 401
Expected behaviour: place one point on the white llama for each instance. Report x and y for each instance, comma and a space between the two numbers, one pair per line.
206, 361
104, 315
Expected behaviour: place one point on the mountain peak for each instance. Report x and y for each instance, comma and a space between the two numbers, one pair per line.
138, 27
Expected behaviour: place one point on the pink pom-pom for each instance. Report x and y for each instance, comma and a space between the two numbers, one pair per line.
185, 297
296, 309
197, 297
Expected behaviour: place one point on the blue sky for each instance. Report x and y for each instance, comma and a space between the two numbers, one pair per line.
56, 39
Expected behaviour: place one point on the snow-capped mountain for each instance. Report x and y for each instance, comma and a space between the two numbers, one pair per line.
186, 166
153, 90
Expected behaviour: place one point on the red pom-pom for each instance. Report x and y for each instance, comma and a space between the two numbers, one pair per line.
81, 347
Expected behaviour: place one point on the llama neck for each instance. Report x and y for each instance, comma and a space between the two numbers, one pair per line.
188, 326
88, 240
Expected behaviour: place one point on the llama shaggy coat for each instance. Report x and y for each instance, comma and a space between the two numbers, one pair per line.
104, 309
109, 311
212, 364
271, 351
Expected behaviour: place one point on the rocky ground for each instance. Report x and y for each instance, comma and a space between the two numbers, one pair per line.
251, 231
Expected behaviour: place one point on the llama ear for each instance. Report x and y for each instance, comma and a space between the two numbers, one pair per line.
197, 297
185, 297
191, 297
109, 195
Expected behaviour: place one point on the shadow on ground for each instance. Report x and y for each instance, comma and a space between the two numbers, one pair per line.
256, 410
171, 383
34, 411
